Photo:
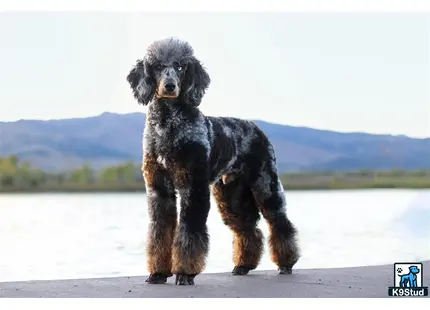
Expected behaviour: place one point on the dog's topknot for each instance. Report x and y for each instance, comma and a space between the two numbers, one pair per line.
169, 49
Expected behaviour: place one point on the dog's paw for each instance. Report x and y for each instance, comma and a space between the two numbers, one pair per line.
285, 270
157, 278
185, 279
240, 270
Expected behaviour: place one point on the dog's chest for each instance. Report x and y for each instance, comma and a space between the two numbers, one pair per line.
166, 139
161, 140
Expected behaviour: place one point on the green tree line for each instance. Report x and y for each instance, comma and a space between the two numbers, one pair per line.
17, 176
20, 176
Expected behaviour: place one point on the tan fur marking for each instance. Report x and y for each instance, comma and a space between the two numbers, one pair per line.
248, 248
283, 252
150, 170
185, 262
159, 250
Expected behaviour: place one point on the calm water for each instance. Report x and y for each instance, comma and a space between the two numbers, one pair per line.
57, 236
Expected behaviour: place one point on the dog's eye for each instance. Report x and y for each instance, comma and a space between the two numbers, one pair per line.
179, 68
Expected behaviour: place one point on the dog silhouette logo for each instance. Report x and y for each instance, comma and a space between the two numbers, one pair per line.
408, 280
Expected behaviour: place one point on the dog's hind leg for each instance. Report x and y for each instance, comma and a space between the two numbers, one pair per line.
162, 220
240, 213
269, 194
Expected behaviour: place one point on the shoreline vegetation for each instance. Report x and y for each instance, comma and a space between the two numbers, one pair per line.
20, 177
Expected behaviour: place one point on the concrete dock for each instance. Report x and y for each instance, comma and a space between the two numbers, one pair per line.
357, 282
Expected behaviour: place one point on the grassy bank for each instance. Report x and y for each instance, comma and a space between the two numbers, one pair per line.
357, 179
17, 177
134, 188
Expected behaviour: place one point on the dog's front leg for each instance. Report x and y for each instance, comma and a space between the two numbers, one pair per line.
162, 220
191, 243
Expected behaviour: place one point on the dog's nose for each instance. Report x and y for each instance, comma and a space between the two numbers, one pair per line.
170, 87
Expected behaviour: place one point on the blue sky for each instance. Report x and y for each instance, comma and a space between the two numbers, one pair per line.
366, 72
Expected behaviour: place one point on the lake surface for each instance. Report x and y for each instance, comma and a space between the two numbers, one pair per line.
58, 236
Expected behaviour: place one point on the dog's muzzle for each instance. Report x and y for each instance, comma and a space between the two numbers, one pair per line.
168, 89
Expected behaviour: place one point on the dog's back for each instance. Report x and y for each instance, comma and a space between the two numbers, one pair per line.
238, 147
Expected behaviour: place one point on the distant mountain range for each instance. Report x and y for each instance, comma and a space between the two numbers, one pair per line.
109, 139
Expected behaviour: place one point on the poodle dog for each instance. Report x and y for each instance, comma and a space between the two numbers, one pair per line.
190, 154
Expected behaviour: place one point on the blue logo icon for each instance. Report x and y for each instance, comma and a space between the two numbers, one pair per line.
408, 280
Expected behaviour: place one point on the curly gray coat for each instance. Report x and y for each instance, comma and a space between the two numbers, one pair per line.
188, 153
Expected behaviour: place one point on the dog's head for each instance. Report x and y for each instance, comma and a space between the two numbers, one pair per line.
414, 269
169, 71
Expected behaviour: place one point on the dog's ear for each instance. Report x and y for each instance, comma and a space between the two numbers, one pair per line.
196, 82
142, 82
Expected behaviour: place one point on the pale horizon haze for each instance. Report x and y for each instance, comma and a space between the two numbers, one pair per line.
348, 72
